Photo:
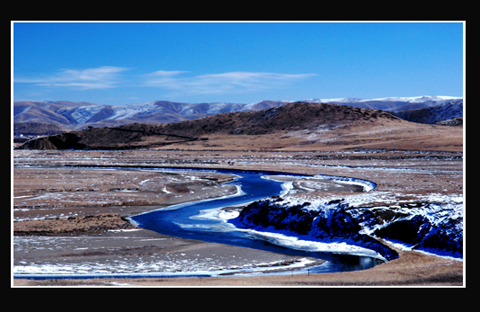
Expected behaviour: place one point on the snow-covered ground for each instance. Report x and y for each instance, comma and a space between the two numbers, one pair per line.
431, 223
444, 213
170, 264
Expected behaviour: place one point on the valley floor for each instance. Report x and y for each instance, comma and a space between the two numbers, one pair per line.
83, 211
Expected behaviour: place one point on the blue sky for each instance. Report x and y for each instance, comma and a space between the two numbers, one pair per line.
122, 63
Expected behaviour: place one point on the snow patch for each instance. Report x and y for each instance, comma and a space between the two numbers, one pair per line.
432, 223
406, 99
128, 111
84, 113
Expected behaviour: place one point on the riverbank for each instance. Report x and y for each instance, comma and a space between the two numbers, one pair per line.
425, 174
410, 269
96, 240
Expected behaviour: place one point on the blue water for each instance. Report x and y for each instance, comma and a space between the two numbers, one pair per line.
186, 221
183, 221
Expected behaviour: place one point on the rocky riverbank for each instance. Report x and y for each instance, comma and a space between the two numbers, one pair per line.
423, 226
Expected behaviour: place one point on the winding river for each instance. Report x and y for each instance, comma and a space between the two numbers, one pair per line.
208, 221
200, 220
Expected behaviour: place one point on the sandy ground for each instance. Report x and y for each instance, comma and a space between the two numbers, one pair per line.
73, 215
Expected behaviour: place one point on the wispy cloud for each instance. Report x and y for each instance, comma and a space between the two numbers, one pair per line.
92, 78
230, 82
165, 79
175, 82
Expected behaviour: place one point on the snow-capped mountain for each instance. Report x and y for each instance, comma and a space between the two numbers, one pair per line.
422, 109
411, 99
71, 115
426, 99
78, 115
392, 103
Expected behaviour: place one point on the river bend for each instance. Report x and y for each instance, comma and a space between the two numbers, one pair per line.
201, 221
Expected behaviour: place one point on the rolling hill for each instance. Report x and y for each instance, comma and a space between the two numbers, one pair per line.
71, 115
293, 126
433, 114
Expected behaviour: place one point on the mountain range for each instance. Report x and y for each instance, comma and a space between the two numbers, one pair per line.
293, 126
79, 115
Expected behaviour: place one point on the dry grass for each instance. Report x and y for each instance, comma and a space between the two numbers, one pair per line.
436, 173
292, 127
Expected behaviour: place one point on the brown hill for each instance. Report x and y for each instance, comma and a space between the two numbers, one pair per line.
295, 126
293, 116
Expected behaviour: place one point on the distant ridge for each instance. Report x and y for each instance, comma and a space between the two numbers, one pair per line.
71, 115
393, 103
433, 114
287, 118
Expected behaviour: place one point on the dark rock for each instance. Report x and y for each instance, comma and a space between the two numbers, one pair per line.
336, 225
410, 231
59, 141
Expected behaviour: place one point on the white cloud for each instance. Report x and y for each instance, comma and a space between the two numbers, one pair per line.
167, 73
230, 82
91, 78
165, 79
177, 82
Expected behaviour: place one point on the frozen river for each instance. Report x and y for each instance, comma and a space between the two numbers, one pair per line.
208, 221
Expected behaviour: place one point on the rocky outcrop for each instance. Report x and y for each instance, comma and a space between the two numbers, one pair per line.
442, 234
425, 226
334, 224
